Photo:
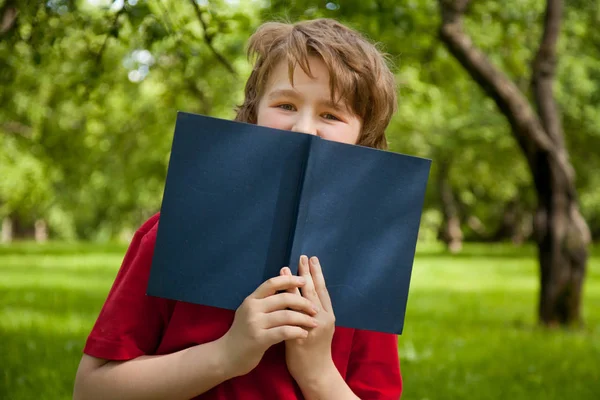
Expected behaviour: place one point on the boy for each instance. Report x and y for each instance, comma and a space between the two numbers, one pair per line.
316, 77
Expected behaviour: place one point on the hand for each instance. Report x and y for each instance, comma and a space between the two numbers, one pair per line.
309, 358
265, 318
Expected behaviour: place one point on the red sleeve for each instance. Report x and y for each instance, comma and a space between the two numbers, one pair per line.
374, 367
130, 323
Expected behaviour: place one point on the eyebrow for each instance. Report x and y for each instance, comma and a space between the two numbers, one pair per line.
294, 94
283, 93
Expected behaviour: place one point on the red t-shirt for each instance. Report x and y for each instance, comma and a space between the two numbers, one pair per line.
132, 324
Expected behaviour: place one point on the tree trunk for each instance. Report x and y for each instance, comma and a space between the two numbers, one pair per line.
7, 230
41, 231
509, 222
8, 16
513, 224
450, 232
561, 233
15, 228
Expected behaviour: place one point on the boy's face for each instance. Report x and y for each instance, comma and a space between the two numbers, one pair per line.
306, 107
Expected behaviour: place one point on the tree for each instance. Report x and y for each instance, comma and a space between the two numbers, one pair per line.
441, 115
561, 232
90, 92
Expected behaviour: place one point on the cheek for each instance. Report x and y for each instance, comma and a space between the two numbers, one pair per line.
354, 131
271, 118
343, 134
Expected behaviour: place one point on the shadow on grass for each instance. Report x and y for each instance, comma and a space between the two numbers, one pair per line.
479, 250
95, 274
67, 248
489, 250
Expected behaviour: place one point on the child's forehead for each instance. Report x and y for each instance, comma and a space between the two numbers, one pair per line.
287, 78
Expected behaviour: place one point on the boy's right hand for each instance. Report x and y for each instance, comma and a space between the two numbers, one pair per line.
266, 317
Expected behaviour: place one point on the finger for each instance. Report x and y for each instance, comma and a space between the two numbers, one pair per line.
287, 332
284, 300
273, 285
288, 272
308, 290
319, 282
289, 317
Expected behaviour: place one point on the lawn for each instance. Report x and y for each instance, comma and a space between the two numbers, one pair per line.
470, 328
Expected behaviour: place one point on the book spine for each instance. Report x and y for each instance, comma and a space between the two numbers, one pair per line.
294, 247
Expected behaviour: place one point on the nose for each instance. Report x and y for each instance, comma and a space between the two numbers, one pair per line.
305, 124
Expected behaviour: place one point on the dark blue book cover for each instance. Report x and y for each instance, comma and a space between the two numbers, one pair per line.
241, 201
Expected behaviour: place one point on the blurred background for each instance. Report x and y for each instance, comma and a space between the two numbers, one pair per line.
505, 294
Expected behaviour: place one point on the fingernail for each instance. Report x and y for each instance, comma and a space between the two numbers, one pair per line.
315, 323
303, 260
300, 280
314, 261
315, 308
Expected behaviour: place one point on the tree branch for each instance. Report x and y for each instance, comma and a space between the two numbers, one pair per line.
113, 27
167, 16
528, 128
511, 102
9, 14
209, 38
17, 128
543, 70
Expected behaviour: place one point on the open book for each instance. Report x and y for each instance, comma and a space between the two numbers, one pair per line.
242, 201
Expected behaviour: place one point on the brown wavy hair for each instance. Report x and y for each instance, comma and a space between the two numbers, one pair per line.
359, 72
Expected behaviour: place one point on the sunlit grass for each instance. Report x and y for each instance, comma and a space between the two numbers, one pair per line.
470, 330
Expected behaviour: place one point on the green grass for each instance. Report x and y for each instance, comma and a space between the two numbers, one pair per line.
470, 328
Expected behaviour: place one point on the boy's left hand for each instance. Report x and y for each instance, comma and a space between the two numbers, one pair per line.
309, 360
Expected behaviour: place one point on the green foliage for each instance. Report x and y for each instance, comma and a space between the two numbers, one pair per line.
95, 91
444, 115
90, 91
467, 333
578, 92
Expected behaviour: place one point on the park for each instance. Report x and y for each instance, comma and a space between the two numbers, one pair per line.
502, 97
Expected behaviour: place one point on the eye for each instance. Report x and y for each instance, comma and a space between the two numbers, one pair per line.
287, 107
331, 117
